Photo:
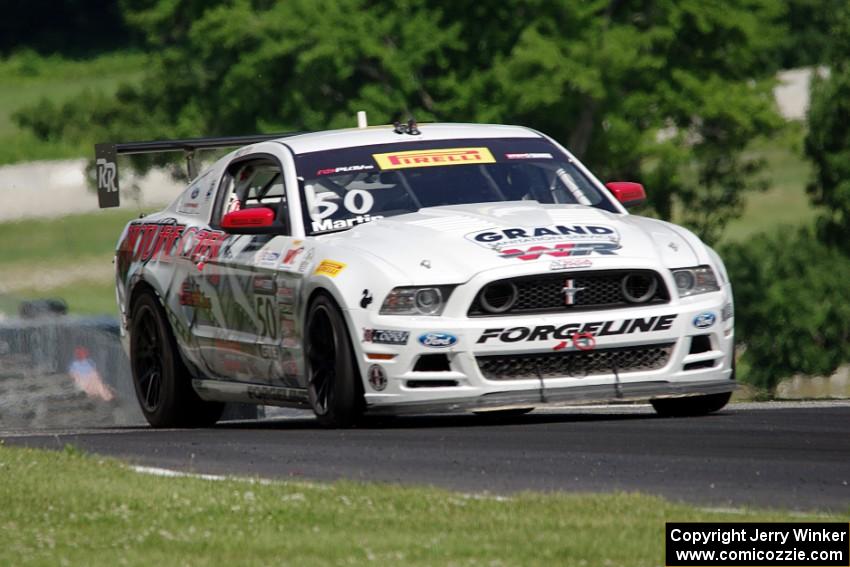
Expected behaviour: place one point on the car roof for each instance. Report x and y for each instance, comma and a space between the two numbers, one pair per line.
385, 134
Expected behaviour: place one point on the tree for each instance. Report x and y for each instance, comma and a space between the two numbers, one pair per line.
668, 92
828, 141
792, 305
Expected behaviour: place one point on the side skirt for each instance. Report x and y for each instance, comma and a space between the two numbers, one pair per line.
221, 391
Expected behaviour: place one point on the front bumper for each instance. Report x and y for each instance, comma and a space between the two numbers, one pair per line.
463, 385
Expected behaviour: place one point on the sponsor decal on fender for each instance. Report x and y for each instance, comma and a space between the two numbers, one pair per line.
567, 331
264, 285
267, 258
429, 158
385, 336
329, 268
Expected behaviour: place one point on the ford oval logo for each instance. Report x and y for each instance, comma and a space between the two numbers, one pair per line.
704, 320
437, 340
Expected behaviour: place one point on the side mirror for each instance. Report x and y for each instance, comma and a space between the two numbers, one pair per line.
259, 220
628, 193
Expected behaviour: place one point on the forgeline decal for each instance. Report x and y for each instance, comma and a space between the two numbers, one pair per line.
566, 332
329, 268
385, 336
328, 224
428, 158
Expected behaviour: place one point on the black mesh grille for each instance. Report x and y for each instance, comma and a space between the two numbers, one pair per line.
601, 290
575, 364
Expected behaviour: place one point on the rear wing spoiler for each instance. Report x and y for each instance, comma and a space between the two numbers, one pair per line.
106, 158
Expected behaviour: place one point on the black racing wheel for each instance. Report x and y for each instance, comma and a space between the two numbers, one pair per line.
161, 379
334, 386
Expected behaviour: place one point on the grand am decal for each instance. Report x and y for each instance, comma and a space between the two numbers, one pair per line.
561, 250
552, 233
530, 243
429, 158
566, 332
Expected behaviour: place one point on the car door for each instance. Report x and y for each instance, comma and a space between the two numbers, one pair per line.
246, 343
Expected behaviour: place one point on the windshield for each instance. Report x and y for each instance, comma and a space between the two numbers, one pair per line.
349, 186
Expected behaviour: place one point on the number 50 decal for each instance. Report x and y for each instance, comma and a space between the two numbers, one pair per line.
266, 313
356, 202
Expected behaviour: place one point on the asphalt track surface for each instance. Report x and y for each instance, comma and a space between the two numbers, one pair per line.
791, 456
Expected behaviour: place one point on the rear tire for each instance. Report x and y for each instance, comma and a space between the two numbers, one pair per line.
333, 381
691, 406
160, 378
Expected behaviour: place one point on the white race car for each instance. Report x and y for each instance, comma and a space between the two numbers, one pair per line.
444, 267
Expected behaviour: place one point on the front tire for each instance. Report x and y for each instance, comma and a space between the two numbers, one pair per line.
161, 379
691, 406
334, 386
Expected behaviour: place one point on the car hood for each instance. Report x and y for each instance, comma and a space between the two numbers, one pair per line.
453, 243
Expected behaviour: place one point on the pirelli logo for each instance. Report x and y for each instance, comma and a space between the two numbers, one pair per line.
428, 158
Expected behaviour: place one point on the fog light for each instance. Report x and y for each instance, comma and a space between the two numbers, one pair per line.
377, 378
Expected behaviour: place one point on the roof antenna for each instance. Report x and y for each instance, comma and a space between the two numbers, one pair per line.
361, 119
412, 128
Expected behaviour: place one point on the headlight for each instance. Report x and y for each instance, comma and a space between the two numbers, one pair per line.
693, 281
424, 300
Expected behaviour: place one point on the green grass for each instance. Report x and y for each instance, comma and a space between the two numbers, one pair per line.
64, 508
26, 77
65, 239
68, 257
85, 297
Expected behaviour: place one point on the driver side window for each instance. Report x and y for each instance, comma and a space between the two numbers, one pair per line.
254, 183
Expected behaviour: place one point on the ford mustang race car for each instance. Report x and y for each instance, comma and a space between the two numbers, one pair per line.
396, 269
